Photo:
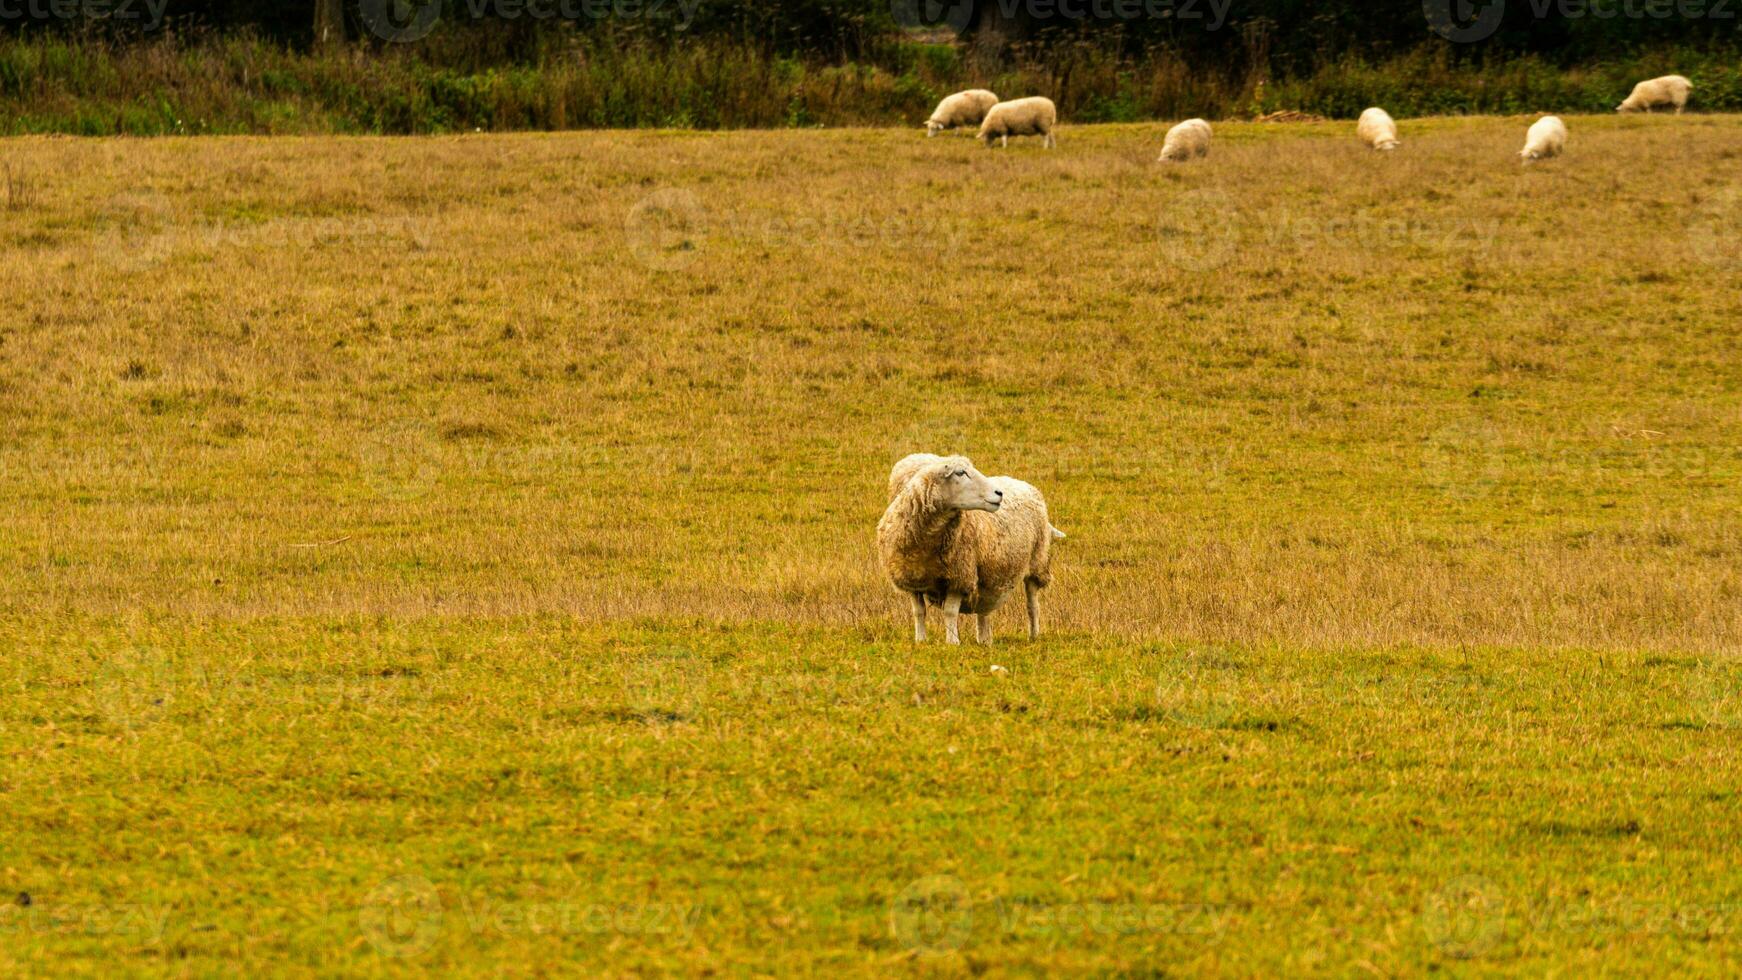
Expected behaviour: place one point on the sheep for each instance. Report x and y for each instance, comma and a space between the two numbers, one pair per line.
1377, 129
962, 109
1546, 138
1189, 139
1668, 90
964, 541
1033, 116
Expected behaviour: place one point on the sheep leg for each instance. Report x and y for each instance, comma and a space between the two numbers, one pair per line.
952, 609
1033, 591
918, 616
983, 629
1004, 142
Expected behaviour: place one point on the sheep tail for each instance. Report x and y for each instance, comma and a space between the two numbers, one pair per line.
1057, 535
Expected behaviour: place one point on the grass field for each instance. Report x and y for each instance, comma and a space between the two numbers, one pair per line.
455, 554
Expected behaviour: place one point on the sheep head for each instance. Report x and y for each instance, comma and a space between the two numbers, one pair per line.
954, 483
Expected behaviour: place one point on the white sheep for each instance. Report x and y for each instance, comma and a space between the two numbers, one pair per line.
1377, 129
1547, 137
964, 541
962, 109
1668, 90
1033, 116
1189, 139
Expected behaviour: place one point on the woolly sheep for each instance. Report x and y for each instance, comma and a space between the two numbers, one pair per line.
1189, 139
1547, 137
964, 541
1377, 129
1668, 90
962, 109
1033, 116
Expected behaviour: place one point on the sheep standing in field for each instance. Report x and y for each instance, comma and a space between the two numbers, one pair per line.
964, 541
1377, 129
1547, 137
1033, 116
1189, 139
1668, 90
962, 109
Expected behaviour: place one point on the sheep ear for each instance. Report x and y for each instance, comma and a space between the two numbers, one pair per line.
932, 482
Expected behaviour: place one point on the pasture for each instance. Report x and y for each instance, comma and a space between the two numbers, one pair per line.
455, 554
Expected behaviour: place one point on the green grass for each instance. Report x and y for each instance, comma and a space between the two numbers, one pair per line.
455, 555
372, 796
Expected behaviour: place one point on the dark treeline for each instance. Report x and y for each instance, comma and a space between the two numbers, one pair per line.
1287, 36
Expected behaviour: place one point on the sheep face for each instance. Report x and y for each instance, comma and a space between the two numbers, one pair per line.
932, 127
956, 484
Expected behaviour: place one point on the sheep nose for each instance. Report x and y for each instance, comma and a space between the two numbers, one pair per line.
999, 494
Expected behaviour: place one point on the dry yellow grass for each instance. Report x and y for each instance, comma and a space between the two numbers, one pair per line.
1297, 394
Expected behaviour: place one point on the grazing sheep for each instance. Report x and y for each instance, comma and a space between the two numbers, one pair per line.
1668, 90
1547, 137
962, 109
964, 541
1033, 116
1189, 139
1377, 129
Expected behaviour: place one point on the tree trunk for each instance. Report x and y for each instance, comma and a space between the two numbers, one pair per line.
329, 23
